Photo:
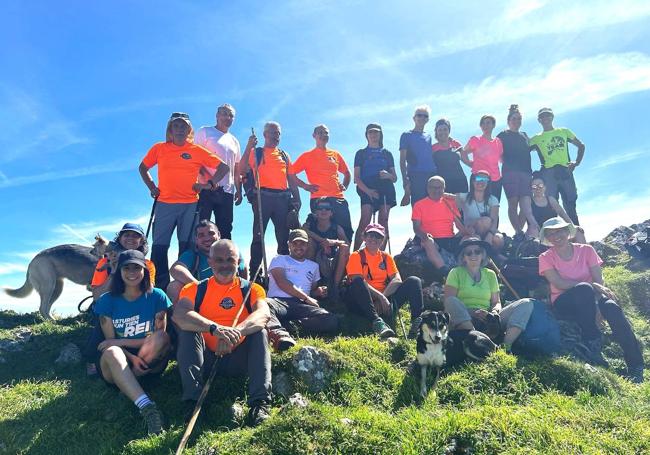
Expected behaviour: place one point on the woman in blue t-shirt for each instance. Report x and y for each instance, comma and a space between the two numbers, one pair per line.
133, 318
375, 177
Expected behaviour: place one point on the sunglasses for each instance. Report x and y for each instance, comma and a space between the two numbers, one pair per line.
473, 252
422, 115
537, 186
322, 207
374, 235
481, 179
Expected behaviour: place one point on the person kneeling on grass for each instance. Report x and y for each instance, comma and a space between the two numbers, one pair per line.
218, 329
472, 291
293, 289
374, 278
133, 317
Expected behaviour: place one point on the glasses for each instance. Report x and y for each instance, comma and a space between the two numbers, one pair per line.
422, 115
473, 252
374, 235
481, 179
537, 186
323, 208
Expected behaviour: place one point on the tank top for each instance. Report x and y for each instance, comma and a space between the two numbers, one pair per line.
331, 233
544, 213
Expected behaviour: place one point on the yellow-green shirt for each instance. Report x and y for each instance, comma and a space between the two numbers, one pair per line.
553, 146
474, 295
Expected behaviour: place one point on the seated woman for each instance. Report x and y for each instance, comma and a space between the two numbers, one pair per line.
546, 207
481, 210
579, 294
375, 177
328, 245
374, 279
133, 318
130, 237
472, 291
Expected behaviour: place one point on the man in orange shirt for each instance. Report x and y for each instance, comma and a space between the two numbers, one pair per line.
212, 336
374, 278
322, 166
433, 221
278, 192
179, 162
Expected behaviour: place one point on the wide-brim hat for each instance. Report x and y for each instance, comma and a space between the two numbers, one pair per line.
472, 241
555, 223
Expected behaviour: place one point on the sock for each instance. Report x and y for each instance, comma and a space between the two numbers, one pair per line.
142, 401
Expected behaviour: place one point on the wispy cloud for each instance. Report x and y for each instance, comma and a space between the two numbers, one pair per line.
518, 9
7, 182
621, 158
7, 268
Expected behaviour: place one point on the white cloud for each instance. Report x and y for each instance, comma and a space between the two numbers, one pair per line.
519, 9
623, 157
7, 268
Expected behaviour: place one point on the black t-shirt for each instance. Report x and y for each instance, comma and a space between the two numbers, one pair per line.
516, 151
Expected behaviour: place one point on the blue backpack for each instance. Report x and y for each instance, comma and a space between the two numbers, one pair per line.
542, 334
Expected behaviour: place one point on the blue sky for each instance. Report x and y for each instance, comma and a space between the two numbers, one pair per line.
87, 89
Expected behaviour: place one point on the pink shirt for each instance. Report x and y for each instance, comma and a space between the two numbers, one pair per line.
486, 155
578, 268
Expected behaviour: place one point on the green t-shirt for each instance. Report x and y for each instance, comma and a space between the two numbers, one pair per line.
553, 146
474, 295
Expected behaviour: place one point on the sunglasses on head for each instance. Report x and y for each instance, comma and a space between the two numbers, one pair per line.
182, 115
473, 252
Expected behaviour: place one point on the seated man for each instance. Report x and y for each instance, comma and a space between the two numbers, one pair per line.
218, 329
433, 222
328, 245
192, 266
293, 284
374, 278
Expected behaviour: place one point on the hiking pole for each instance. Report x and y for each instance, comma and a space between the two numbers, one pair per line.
153, 209
387, 232
213, 373
259, 209
503, 278
401, 322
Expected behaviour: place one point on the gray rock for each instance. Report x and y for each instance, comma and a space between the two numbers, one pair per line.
298, 401
346, 421
282, 384
20, 336
313, 367
70, 355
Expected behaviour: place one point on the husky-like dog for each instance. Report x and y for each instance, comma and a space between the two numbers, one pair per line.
47, 270
432, 345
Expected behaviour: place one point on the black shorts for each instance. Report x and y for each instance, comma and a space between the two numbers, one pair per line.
156, 365
386, 196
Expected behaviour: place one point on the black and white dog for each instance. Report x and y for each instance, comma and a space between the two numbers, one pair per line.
432, 345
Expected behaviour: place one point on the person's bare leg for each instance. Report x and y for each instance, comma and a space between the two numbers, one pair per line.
116, 370
382, 218
511, 335
366, 216
433, 254
513, 213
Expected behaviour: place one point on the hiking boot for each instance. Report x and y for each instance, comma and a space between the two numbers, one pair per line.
382, 329
635, 374
415, 328
281, 341
258, 413
595, 348
152, 418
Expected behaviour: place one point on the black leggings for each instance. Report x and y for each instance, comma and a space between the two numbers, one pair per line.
358, 297
578, 304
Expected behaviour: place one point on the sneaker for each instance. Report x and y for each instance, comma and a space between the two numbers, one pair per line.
382, 329
635, 374
152, 418
258, 413
415, 328
281, 341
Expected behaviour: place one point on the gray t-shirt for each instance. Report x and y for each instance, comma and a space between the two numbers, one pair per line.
473, 210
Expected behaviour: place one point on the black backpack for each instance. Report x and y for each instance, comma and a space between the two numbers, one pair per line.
202, 287
248, 180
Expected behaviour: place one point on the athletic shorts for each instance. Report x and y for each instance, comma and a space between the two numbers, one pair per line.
516, 183
385, 191
134, 351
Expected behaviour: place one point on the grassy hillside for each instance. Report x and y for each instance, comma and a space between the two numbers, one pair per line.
370, 405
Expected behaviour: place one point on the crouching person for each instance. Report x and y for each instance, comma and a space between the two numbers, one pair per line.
472, 294
374, 278
293, 289
218, 329
133, 320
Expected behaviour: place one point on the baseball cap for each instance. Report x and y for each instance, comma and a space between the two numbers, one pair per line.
298, 234
180, 115
373, 127
323, 204
545, 110
375, 227
131, 227
131, 257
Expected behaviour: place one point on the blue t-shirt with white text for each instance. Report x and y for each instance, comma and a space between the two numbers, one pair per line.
134, 319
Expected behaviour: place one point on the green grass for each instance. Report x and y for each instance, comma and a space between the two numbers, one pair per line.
504, 405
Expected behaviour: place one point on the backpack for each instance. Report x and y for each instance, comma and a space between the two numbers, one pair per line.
202, 287
248, 180
364, 263
542, 334
639, 243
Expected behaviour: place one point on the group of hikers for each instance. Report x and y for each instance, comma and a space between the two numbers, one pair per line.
209, 310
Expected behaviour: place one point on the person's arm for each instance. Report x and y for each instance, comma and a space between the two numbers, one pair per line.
464, 155
106, 324
347, 177
297, 181
581, 152
417, 229
160, 323
403, 169
342, 238
148, 180
97, 291
553, 277
558, 209
219, 173
495, 302
287, 286
393, 174
494, 216
257, 320
450, 291
362, 186
181, 273
244, 163
393, 284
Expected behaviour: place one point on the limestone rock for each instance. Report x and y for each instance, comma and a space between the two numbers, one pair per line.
313, 367
21, 335
298, 401
282, 384
70, 354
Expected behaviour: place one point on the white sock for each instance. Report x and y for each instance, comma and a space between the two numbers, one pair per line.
142, 401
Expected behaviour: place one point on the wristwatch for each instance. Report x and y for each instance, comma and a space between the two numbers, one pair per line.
213, 328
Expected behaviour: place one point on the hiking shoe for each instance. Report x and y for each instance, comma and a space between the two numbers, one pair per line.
152, 418
635, 374
258, 413
415, 328
595, 348
188, 410
382, 329
281, 341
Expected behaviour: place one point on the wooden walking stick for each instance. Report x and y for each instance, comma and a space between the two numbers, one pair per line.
503, 278
259, 208
213, 372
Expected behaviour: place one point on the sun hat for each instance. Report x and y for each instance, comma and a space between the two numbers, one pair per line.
555, 223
